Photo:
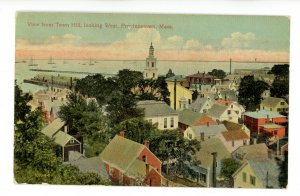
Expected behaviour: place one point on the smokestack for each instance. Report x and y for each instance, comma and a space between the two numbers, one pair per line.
146, 143
214, 176
175, 94
122, 133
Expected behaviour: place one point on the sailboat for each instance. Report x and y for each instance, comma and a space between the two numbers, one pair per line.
91, 62
51, 61
31, 63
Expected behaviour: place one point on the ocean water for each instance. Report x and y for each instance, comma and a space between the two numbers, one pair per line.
22, 70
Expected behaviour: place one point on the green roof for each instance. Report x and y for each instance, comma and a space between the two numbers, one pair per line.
62, 138
271, 126
217, 110
156, 108
53, 127
137, 168
121, 152
189, 117
177, 77
263, 114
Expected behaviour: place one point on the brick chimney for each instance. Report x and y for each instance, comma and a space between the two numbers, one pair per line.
207, 123
146, 143
122, 133
202, 136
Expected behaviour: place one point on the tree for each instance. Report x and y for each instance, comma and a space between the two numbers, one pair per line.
218, 73
279, 88
195, 95
283, 175
137, 129
35, 160
281, 71
170, 74
250, 92
229, 166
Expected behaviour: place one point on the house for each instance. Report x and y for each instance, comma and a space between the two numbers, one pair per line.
206, 159
274, 104
250, 152
189, 118
222, 112
255, 120
227, 95
180, 97
234, 138
200, 78
88, 165
257, 173
65, 141
203, 132
232, 105
158, 112
273, 131
200, 105
231, 126
130, 163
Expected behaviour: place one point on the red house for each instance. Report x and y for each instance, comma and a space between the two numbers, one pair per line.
265, 121
130, 163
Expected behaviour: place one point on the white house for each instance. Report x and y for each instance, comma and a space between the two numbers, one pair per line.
203, 132
158, 112
234, 139
200, 105
220, 113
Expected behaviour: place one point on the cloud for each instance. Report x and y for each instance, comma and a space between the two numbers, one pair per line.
64, 39
196, 45
238, 40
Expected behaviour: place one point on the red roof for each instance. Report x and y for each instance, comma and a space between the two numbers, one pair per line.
201, 75
223, 102
235, 135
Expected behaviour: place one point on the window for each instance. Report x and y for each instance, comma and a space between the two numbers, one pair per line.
172, 122
244, 177
263, 107
282, 103
190, 136
72, 140
271, 109
144, 158
229, 112
203, 178
204, 110
152, 64
275, 132
231, 106
278, 109
232, 143
252, 180
165, 122
146, 75
147, 64
237, 112
190, 101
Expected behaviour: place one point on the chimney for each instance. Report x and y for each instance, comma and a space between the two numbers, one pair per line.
202, 136
146, 143
214, 176
122, 133
254, 140
207, 123
147, 169
66, 128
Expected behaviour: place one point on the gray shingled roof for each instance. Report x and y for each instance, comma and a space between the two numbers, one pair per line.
252, 151
93, 164
209, 146
271, 101
51, 129
265, 170
217, 110
210, 130
263, 114
230, 94
156, 108
189, 117
198, 104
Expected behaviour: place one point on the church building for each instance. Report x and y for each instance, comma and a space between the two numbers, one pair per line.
150, 72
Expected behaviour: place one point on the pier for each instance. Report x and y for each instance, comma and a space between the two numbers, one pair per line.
71, 72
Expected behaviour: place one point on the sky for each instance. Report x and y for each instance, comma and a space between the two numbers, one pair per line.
107, 36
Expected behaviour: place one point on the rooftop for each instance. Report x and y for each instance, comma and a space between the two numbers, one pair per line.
235, 135
217, 110
253, 151
271, 126
53, 127
121, 152
189, 117
209, 130
263, 114
156, 108
272, 101
201, 75
178, 78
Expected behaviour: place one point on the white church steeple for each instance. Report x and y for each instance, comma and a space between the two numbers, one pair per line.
151, 70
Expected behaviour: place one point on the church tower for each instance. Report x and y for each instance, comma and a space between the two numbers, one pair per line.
150, 72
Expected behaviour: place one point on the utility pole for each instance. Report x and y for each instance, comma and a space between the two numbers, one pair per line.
214, 176
230, 67
175, 81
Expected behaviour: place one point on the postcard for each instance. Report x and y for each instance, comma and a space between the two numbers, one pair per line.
171, 100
